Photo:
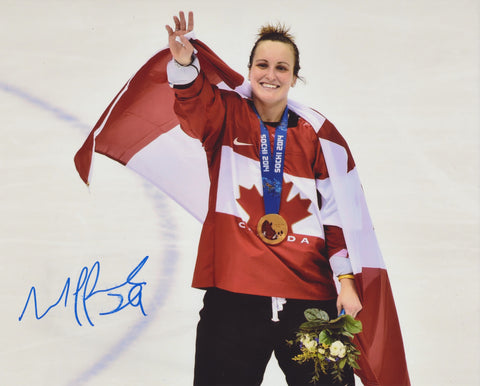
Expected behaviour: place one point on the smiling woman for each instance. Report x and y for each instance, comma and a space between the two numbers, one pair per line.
274, 66
260, 276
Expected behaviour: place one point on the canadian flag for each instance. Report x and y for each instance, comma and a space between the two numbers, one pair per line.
139, 129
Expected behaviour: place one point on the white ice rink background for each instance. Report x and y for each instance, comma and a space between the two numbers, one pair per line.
400, 79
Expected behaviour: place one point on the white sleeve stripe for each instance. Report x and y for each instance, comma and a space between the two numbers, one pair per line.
182, 75
340, 265
328, 210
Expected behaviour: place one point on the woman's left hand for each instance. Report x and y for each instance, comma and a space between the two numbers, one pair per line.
348, 299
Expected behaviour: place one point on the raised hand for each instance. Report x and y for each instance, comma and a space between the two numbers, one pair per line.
181, 48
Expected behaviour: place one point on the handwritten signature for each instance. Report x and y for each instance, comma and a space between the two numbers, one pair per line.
85, 290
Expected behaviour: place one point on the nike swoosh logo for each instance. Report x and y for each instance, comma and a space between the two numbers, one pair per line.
238, 143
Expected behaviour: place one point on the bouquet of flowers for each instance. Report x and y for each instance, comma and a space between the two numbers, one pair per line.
328, 343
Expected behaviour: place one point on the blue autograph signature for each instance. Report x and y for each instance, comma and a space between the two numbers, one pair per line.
85, 290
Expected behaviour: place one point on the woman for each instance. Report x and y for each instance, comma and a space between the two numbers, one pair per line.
271, 239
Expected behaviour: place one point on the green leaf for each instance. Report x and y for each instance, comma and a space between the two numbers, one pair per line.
313, 326
337, 324
347, 334
315, 313
324, 337
352, 325
354, 365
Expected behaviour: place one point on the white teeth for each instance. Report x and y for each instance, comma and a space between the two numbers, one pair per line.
269, 85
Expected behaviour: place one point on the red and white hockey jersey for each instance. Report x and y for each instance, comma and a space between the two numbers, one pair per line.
231, 256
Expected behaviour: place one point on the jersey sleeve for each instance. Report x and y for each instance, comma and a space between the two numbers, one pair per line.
198, 104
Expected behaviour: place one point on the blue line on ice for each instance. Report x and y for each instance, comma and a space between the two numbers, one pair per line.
42, 104
169, 258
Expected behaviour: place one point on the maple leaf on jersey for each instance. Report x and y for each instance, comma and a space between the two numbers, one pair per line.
292, 211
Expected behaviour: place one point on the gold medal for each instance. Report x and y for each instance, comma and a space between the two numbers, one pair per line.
272, 229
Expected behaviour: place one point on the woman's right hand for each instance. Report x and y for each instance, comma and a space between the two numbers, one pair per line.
182, 50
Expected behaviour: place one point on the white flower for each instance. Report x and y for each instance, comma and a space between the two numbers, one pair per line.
309, 343
338, 349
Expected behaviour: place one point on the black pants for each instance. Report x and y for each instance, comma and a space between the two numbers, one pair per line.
236, 338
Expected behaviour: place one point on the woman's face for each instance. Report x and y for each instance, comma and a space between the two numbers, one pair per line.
271, 74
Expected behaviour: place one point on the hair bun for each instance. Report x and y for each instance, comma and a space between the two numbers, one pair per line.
279, 30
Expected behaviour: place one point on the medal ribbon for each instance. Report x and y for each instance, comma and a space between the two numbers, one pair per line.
272, 164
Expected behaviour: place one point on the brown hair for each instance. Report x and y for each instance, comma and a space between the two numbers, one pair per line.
277, 33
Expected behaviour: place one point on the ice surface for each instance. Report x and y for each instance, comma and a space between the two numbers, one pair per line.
399, 79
